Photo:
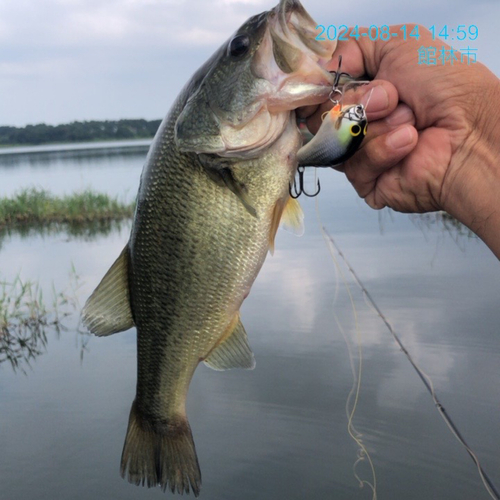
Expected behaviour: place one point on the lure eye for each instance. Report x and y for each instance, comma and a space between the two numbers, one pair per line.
355, 130
239, 46
358, 111
365, 130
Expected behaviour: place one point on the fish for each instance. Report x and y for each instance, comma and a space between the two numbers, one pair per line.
213, 191
340, 135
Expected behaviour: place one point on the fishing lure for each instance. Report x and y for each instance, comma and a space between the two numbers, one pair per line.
339, 137
341, 133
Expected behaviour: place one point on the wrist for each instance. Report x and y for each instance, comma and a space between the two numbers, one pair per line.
472, 194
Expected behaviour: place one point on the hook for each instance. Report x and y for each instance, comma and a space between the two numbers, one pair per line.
295, 193
335, 88
338, 73
340, 88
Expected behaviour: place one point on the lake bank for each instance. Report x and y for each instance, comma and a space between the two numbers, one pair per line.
75, 146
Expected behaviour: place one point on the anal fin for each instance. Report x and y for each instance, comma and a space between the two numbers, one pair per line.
107, 310
233, 352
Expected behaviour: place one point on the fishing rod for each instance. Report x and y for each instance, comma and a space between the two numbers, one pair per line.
487, 482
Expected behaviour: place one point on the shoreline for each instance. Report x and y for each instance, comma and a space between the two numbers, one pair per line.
72, 146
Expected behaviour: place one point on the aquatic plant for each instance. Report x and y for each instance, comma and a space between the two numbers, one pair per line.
35, 207
26, 319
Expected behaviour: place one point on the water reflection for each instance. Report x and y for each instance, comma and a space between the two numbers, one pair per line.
84, 231
26, 320
81, 159
65, 171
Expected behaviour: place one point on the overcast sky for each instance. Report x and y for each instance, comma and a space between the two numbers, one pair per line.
65, 60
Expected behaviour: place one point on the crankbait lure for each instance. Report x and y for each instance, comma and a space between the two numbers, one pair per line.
340, 135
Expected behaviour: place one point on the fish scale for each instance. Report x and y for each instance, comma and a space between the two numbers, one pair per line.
194, 252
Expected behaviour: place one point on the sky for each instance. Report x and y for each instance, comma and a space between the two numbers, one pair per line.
66, 60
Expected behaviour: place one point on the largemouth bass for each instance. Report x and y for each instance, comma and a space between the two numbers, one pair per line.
213, 191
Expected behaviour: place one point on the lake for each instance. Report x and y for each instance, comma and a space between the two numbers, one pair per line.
281, 430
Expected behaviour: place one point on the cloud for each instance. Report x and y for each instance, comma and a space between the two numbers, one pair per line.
130, 58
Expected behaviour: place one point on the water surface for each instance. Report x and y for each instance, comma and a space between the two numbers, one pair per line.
279, 431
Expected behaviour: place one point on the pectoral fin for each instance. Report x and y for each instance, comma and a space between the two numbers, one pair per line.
293, 217
107, 310
289, 214
220, 172
233, 352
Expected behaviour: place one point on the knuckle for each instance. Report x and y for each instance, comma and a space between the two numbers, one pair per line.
377, 153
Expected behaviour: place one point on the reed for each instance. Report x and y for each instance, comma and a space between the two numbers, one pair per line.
25, 319
38, 207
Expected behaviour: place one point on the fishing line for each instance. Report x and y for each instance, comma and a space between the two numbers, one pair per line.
427, 381
362, 453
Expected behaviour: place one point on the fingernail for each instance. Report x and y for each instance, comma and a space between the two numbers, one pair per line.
402, 114
399, 138
379, 100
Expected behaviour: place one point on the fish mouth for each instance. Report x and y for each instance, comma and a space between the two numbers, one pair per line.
293, 60
289, 68
293, 18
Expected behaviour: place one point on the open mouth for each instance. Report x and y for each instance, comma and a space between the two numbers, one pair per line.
292, 60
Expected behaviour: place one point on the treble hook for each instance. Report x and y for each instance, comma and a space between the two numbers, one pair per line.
338, 74
335, 88
295, 193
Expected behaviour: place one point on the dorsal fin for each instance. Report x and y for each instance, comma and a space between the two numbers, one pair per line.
233, 352
288, 213
107, 310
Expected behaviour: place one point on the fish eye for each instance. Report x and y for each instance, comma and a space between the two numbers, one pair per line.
239, 45
365, 130
355, 130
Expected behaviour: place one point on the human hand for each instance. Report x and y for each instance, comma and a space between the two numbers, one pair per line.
437, 147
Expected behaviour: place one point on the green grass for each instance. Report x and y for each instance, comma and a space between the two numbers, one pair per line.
38, 207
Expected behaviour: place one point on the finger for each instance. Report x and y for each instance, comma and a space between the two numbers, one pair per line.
415, 183
379, 156
380, 98
400, 116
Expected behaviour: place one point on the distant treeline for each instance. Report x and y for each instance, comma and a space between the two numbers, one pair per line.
79, 132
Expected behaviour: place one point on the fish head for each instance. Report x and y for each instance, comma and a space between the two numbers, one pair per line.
240, 100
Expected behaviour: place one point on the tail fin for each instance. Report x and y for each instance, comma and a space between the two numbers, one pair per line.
160, 455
